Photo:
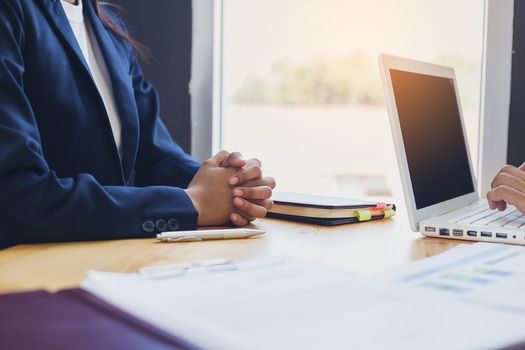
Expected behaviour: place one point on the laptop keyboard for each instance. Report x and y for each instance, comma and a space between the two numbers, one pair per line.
484, 216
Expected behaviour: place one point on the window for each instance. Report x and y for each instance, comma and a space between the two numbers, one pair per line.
301, 87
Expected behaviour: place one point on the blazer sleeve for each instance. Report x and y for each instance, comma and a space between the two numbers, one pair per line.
45, 207
160, 160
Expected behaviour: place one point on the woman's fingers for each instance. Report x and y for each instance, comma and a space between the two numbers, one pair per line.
248, 173
253, 161
248, 210
255, 190
239, 220
252, 209
265, 181
235, 160
251, 170
258, 192
265, 203
217, 159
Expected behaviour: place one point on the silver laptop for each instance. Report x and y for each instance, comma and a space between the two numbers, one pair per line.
432, 153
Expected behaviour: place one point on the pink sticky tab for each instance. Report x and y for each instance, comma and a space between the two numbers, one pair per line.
381, 206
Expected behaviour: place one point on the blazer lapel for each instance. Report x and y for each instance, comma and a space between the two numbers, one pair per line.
58, 18
122, 89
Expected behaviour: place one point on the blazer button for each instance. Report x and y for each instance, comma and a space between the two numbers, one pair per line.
148, 226
173, 224
161, 225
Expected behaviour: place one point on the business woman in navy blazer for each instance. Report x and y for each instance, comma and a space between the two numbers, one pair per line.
61, 176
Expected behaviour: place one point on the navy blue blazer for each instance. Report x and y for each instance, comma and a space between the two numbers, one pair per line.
61, 178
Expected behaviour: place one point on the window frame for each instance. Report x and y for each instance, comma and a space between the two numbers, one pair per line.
495, 90
206, 78
207, 84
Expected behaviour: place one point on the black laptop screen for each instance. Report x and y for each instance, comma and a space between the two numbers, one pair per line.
435, 148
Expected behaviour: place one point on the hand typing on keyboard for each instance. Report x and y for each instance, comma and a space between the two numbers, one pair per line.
508, 187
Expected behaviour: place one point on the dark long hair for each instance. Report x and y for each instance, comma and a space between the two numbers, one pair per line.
142, 51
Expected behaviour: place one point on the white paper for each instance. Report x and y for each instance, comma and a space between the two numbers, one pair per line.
488, 274
289, 304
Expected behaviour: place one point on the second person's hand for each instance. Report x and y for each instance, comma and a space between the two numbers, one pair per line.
508, 187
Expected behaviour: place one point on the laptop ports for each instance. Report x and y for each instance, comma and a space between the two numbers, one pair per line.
430, 229
486, 234
472, 233
444, 232
501, 235
457, 233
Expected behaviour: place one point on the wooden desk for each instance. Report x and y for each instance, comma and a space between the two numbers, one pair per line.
365, 248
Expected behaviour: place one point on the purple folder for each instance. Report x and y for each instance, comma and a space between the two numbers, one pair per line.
75, 319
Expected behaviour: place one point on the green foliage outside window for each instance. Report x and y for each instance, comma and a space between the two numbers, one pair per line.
348, 79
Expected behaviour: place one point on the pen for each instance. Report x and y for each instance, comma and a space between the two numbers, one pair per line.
205, 235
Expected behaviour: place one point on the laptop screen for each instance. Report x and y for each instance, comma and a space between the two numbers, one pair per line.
435, 147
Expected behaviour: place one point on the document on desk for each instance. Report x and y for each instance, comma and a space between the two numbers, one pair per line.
257, 305
491, 275
451, 301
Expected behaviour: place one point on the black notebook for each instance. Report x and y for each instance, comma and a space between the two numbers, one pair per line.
329, 211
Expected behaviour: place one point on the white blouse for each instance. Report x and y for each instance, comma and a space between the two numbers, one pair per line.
99, 72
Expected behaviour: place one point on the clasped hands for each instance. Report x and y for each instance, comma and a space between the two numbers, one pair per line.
228, 188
